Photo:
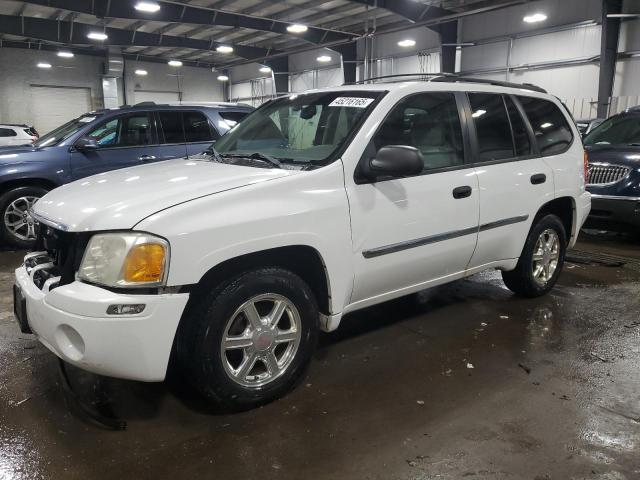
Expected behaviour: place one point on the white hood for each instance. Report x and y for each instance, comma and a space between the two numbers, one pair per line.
122, 198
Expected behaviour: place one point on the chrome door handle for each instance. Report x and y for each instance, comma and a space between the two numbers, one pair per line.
146, 158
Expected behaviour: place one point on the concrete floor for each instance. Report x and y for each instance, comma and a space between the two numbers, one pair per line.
462, 381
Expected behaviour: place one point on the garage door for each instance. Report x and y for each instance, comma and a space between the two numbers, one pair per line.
158, 97
52, 106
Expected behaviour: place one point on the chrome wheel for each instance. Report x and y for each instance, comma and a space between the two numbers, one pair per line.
260, 340
545, 257
17, 219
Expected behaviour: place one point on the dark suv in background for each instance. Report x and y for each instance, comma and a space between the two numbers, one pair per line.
98, 142
613, 150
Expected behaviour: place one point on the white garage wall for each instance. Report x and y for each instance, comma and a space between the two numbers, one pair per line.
18, 72
190, 83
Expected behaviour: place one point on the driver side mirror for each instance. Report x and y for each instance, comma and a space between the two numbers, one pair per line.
394, 161
86, 144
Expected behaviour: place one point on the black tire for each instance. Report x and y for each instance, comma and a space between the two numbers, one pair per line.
202, 328
521, 280
6, 235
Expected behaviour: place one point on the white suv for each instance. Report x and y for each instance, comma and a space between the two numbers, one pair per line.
316, 205
14, 134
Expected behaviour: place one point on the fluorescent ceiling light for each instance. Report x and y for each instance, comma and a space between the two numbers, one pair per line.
65, 54
141, 72
44, 65
324, 58
546, 125
534, 18
223, 78
175, 63
265, 69
407, 43
224, 49
297, 28
478, 113
150, 7
97, 36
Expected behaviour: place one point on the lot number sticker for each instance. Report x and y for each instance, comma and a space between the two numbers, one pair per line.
357, 102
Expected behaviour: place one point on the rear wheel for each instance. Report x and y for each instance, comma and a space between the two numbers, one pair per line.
17, 227
541, 260
249, 340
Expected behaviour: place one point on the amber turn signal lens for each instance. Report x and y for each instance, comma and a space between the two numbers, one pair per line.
586, 167
144, 264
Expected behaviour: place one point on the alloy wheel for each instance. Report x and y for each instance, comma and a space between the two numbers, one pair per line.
18, 220
545, 256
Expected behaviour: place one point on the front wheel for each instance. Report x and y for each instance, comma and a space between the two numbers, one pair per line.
247, 341
17, 227
541, 260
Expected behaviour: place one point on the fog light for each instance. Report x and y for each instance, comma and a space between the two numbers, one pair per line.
125, 309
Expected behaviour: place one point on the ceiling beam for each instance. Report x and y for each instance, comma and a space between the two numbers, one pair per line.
75, 33
178, 12
409, 9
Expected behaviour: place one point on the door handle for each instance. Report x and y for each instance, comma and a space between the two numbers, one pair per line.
462, 192
538, 178
146, 158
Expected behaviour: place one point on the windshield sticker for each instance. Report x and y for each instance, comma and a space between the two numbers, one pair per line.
357, 102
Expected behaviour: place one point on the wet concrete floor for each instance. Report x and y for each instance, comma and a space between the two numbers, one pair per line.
463, 381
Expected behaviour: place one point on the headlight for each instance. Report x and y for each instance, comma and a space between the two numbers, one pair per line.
125, 260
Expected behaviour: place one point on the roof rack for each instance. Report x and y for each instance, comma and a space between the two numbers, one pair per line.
449, 77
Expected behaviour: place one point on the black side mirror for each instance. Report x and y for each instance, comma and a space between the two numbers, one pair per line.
395, 161
86, 143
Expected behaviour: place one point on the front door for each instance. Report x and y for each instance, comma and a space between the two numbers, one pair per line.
413, 232
123, 141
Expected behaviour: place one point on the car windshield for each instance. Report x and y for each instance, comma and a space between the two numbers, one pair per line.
306, 128
618, 130
57, 135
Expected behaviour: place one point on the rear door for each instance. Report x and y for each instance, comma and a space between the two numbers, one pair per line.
514, 181
123, 141
171, 134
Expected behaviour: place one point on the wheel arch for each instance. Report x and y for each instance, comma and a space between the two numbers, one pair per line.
26, 182
565, 209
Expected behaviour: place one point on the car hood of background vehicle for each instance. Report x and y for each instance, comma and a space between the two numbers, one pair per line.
122, 198
619, 155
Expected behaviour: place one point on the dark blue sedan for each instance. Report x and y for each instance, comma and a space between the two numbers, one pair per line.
613, 150
98, 142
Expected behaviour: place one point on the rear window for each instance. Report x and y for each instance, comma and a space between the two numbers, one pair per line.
550, 127
171, 123
492, 127
197, 128
233, 118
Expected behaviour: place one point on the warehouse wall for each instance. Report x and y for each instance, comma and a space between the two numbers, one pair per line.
19, 72
249, 85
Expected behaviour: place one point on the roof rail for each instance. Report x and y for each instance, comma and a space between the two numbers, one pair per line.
451, 77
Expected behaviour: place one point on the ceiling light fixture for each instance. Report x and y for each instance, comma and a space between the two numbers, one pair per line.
224, 49
407, 43
297, 28
149, 7
141, 72
265, 69
174, 63
97, 36
535, 18
324, 58
64, 54
223, 78
44, 65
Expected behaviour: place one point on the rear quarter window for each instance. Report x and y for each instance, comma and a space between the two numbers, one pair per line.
552, 132
7, 132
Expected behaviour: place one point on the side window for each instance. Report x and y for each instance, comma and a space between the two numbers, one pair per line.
428, 122
520, 133
232, 118
492, 127
197, 128
126, 131
553, 133
7, 132
171, 124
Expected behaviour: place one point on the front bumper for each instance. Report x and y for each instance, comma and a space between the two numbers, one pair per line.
71, 321
614, 210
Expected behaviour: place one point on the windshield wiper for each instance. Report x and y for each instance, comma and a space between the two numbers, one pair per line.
635, 144
214, 153
256, 156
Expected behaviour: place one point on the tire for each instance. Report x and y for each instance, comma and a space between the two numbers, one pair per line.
523, 281
218, 314
11, 203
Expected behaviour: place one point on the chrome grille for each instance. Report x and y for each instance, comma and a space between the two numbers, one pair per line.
605, 174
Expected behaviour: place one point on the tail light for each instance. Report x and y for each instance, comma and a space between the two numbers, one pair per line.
586, 167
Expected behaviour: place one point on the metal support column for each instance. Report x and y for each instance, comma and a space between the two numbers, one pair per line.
608, 54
